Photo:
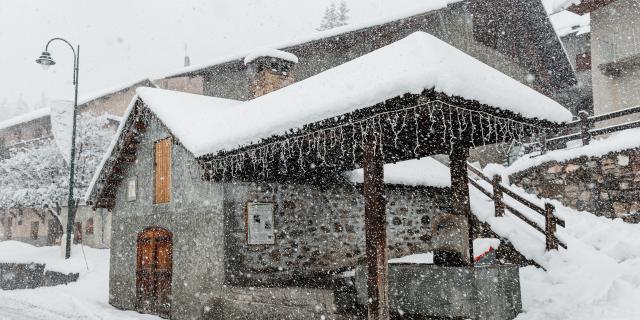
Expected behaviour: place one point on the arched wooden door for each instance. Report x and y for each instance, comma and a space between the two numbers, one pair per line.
154, 270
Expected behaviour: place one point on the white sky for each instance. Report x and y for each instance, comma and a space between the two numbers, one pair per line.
124, 40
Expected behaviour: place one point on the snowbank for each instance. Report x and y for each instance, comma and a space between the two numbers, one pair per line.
52, 256
273, 53
88, 298
418, 172
622, 140
597, 277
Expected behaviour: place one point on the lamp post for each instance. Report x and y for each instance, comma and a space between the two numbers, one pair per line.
46, 61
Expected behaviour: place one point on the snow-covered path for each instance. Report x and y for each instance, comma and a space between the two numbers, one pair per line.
85, 299
598, 277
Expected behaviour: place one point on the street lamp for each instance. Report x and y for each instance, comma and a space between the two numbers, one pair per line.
46, 61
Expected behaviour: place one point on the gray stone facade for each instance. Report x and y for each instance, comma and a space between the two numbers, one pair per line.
607, 185
319, 231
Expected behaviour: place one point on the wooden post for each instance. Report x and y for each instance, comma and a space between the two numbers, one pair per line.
585, 126
550, 227
543, 142
375, 233
460, 203
497, 196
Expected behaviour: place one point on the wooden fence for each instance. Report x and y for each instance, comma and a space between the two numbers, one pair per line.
497, 195
583, 128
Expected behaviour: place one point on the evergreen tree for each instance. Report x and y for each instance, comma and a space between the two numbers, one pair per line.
334, 17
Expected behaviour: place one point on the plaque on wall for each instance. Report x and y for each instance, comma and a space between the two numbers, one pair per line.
131, 190
260, 223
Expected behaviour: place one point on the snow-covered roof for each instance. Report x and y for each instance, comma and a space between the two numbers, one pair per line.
417, 172
107, 91
421, 8
192, 118
555, 6
24, 118
566, 22
45, 112
273, 53
411, 65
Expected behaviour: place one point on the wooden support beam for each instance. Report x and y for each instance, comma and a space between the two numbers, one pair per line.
460, 203
497, 196
375, 233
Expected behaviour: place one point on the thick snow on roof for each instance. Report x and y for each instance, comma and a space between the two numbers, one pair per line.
193, 118
411, 65
26, 117
566, 22
273, 53
424, 7
418, 172
554, 6
107, 91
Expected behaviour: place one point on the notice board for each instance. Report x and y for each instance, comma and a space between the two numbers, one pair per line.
260, 223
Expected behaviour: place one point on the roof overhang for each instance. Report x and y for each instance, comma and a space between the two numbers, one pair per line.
407, 127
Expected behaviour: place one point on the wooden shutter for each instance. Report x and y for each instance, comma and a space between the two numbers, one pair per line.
163, 171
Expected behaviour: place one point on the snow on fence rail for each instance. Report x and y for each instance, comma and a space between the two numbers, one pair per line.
550, 220
585, 126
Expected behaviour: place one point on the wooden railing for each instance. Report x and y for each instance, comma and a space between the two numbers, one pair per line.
497, 195
585, 128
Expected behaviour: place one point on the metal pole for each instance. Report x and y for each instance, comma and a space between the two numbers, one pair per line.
72, 162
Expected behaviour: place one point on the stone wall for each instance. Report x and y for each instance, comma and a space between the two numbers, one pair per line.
273, 303
31, 275
320, 230
608, 186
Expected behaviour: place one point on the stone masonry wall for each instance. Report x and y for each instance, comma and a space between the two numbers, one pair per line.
608, 186
319, 230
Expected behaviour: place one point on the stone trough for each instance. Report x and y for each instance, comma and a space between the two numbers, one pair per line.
481, 292
31, 275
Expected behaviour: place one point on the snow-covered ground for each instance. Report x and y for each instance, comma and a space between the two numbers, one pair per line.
598, 277
85, 299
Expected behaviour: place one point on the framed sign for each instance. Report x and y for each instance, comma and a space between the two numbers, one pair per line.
260, 223
131, 190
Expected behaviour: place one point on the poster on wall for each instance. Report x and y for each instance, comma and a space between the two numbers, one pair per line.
260, 223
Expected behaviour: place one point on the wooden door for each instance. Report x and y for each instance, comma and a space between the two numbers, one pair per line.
154, 270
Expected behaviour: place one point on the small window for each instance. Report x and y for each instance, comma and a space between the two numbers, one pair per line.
583, 61
162, 171
34, 230
89, 226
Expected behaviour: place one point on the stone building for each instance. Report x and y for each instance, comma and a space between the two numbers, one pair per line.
615, 52
195, 236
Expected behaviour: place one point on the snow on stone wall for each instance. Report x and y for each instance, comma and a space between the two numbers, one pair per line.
608, 185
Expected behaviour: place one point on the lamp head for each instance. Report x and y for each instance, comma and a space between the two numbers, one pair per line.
45, 60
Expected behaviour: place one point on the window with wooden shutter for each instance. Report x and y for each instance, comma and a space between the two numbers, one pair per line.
162, 174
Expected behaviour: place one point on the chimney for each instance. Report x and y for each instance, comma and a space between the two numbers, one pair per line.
269, 70
187, 61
